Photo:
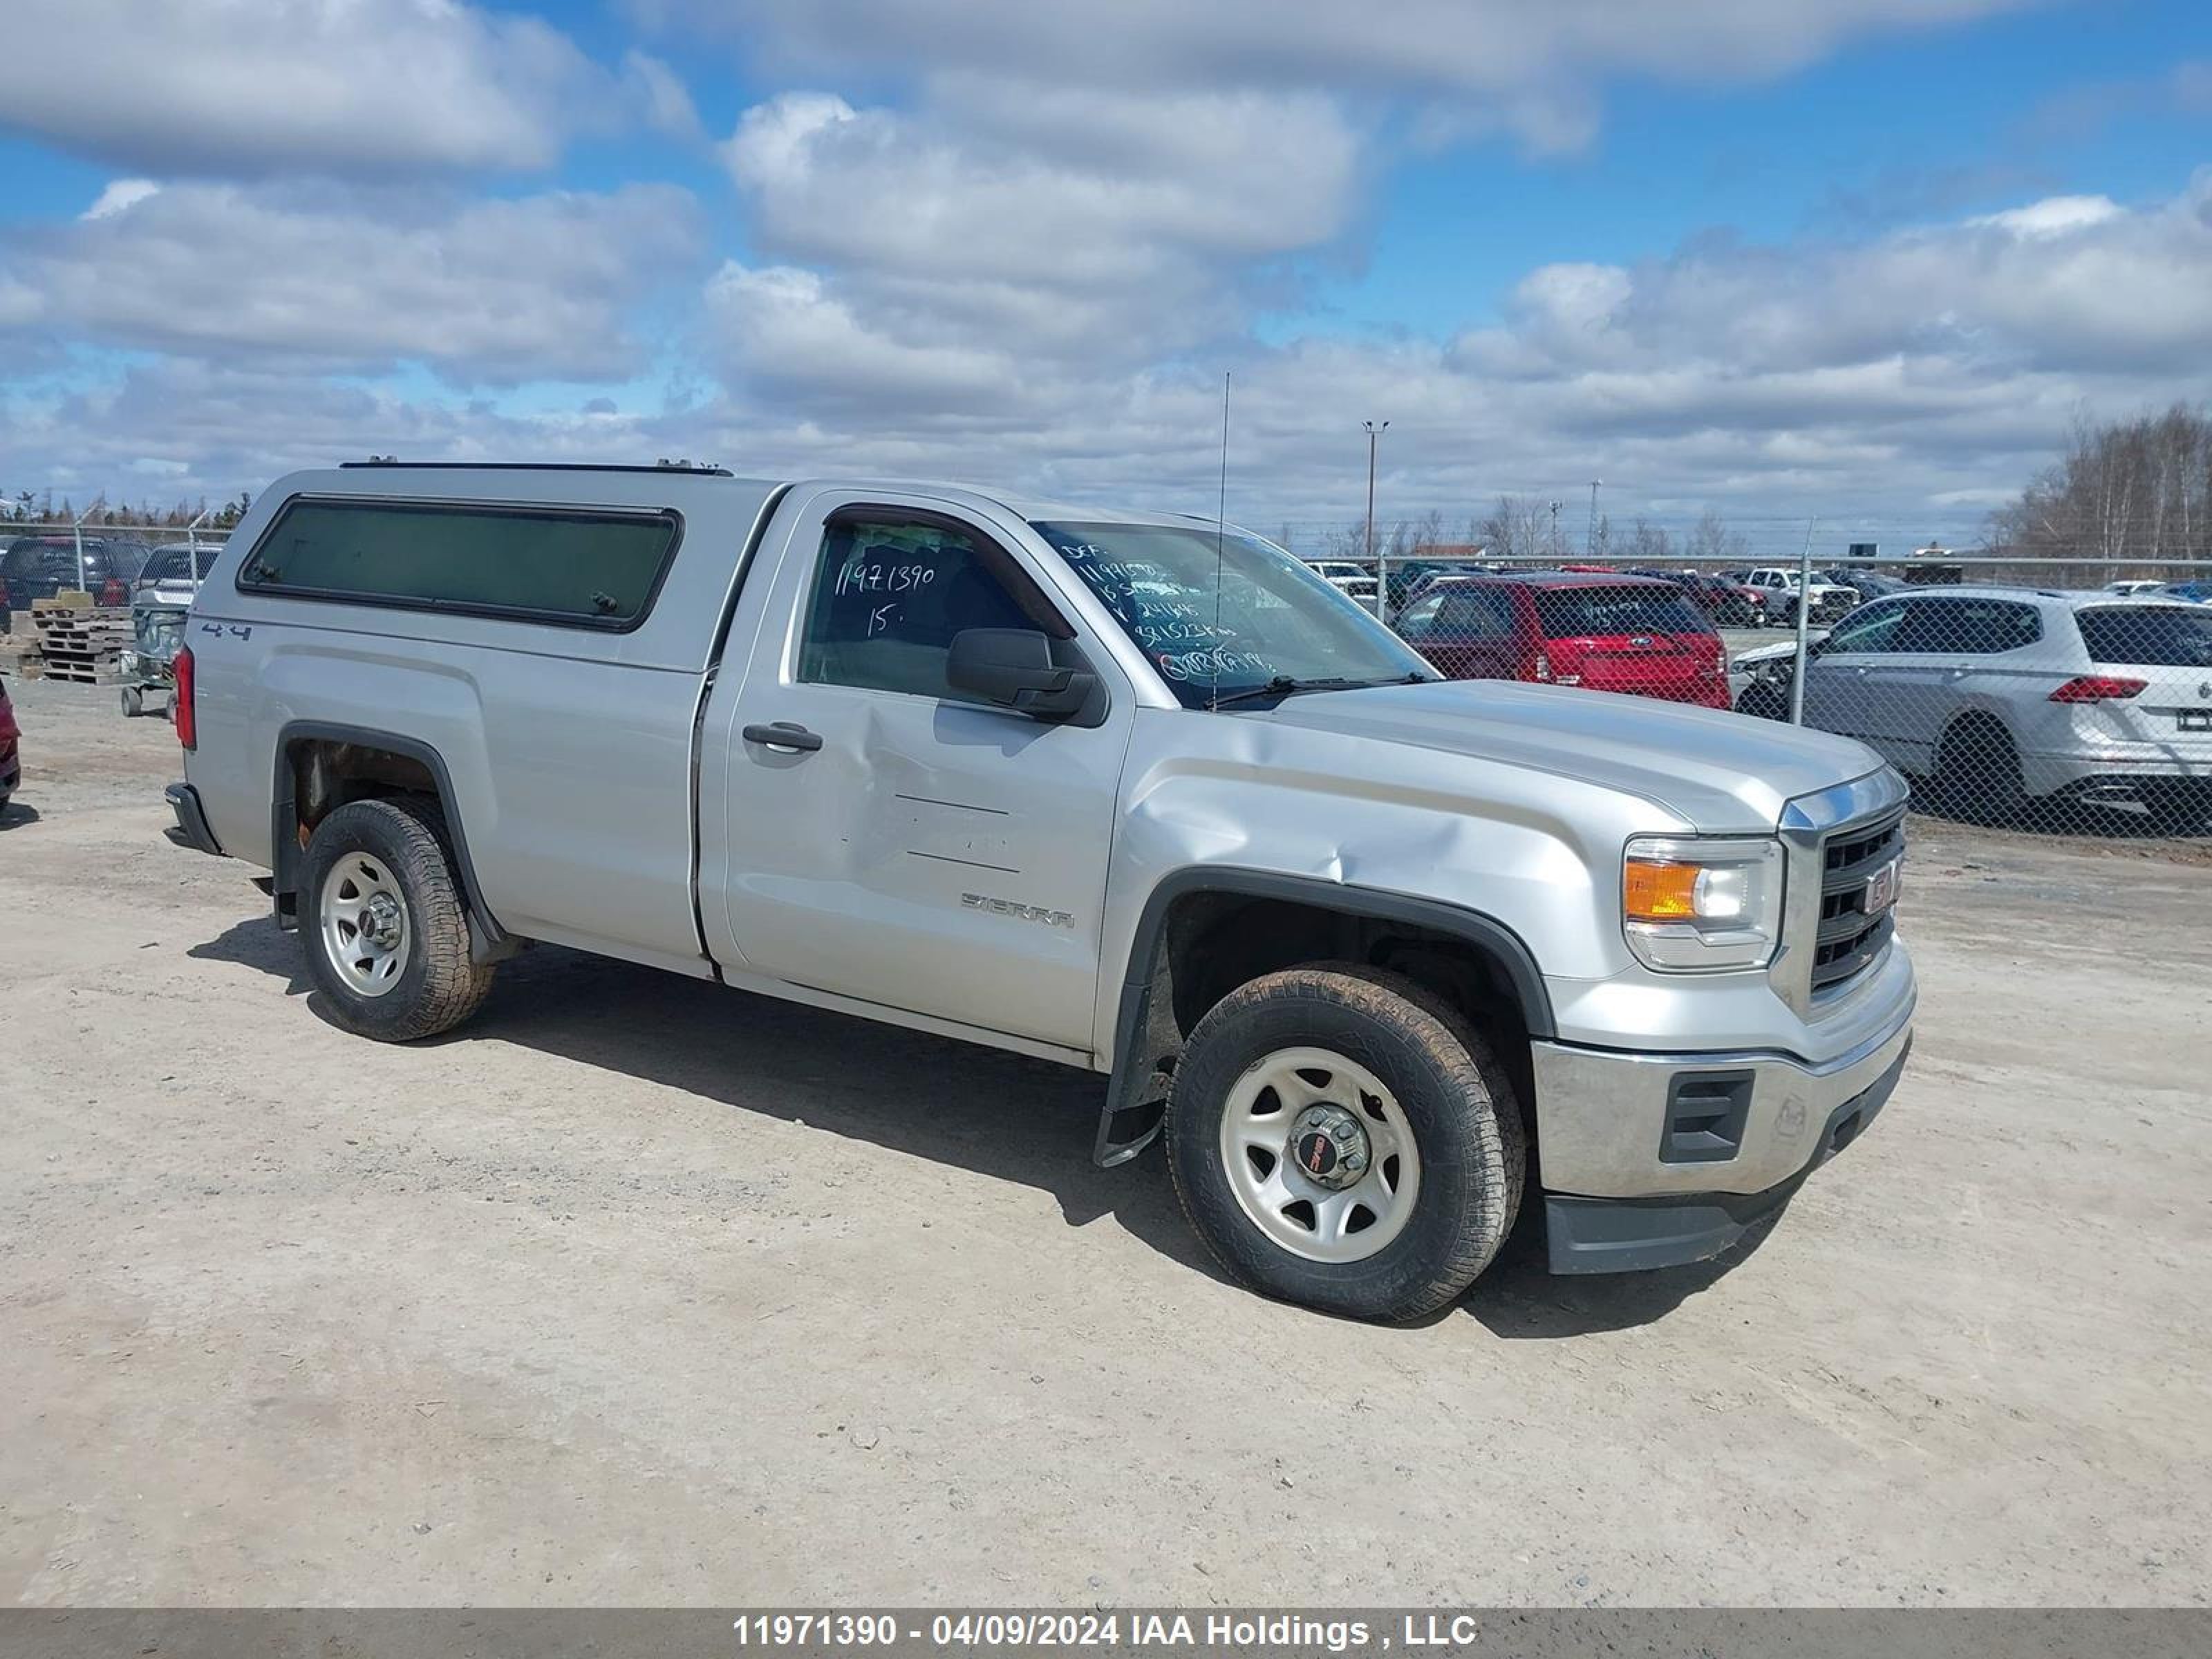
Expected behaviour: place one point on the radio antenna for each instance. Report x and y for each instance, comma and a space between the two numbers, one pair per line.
1220, 537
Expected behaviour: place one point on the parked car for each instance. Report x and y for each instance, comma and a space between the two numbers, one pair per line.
1730, 604
1604, 633
173, 573
1829, 600
2129, 589
1354, 941
1999, 696
11, 760
1867, 584
2189, 592
1409, 577
1347, 576
39, 567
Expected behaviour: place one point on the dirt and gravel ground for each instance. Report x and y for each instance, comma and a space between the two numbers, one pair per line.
640, 1291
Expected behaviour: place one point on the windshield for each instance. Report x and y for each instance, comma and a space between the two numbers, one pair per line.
2148, 636
1269, 617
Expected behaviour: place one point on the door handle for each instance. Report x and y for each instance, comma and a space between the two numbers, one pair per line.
785, 735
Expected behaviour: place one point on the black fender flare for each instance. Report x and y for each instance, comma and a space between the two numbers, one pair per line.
488, 940
1118, 1143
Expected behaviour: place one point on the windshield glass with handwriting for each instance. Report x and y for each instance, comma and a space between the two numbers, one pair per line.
1268, 617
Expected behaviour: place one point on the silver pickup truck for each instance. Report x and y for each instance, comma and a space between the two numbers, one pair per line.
1370, 952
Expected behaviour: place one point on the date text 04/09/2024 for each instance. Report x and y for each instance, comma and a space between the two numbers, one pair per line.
1101, 1630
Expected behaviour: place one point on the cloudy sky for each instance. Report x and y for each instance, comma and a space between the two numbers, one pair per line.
1861, 258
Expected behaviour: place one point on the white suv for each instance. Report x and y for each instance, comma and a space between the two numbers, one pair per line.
2002, 695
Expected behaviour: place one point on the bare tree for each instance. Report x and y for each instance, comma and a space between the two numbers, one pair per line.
1711, 539
1646, 542
2133, 490
1517, 528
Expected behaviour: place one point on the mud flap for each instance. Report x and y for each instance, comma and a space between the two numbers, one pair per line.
1125, 1131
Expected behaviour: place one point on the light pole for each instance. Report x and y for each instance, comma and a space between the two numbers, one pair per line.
1373, 433
1381, 585
1589, 541
1555, 530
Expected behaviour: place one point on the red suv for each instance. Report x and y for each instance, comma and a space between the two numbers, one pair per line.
1605, 632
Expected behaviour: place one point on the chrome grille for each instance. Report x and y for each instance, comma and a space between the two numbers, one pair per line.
1849, 940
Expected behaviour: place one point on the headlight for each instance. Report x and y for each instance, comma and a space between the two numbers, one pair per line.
1689, 903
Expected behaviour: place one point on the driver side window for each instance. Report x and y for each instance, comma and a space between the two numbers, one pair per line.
1874, 629
889, 592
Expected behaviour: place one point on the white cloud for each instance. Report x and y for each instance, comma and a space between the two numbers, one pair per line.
251, 87
1528, 68
661, 99
1108, 227
2054, 215
1774, 381
120, 194
538, 287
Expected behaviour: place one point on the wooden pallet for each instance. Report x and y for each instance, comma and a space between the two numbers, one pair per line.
106, 673
72, 641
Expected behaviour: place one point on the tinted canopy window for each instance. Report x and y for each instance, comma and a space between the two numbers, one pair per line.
2148, 637
594, 567
1570, 613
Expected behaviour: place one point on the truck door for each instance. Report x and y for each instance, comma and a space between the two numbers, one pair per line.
887, 837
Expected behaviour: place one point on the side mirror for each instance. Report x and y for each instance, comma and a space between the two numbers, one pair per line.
1013, 667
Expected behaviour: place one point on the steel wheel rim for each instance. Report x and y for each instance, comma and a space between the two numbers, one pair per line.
365, 925
1268, 1112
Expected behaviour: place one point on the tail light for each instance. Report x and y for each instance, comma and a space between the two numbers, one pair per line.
113, 592
1540, 667
1720, 660
2097, 688
181, 710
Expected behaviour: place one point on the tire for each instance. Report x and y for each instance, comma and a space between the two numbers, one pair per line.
1977, 777
375, 858
2179, 811
1765, 703
1445, 1103
134, 702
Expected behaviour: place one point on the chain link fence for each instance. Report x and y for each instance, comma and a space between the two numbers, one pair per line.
113, 563
2042, 697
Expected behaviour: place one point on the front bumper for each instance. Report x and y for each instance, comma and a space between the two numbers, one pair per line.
1629, 1235
1653, 1160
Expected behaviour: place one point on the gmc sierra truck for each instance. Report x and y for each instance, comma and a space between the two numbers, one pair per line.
1373, 954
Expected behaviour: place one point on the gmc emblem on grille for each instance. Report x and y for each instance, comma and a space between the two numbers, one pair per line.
1881, 888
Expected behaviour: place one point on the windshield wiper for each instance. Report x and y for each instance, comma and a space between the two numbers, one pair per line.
1284, 686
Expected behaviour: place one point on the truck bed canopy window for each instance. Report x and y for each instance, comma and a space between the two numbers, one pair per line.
582, 566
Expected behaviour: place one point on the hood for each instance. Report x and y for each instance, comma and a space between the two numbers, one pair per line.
1773, 653
1723, 773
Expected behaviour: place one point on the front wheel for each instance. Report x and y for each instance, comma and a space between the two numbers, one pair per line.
385, 924
1340, 1136
134, 702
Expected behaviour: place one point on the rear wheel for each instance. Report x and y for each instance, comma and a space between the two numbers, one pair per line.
1341, 1138
2180, 810
134, 702
1977, 777
384, 922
